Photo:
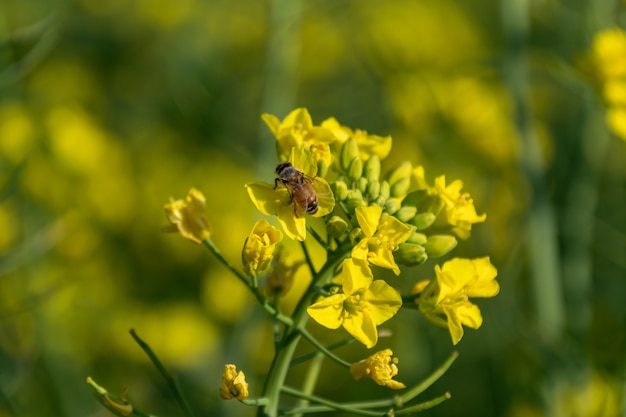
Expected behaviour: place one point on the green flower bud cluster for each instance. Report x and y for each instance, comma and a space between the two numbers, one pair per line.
361, 183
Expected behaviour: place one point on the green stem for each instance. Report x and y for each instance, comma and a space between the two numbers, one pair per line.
331, 347
316, 236
322, 349
281, 362
418, 408
171, 381
311, 379
328, 405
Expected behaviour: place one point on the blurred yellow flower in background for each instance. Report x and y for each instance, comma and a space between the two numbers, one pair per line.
187, 217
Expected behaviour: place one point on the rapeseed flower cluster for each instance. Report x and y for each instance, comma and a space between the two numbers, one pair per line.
330, 190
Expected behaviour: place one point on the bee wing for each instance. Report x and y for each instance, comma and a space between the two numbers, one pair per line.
321, 188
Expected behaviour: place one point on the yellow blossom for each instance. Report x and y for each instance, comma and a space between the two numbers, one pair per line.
609, 53
363, 304
459, 209
380, 367
368, 144
276, 200
296, 131
187, 217
234, 384
258, 249
383, 234
448, 295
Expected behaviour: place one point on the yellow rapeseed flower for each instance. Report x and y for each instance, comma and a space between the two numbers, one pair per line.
380, 368
459, 209
258, 250
296, 131
187, 217
363, 304
448, 295
383, 234
234, 384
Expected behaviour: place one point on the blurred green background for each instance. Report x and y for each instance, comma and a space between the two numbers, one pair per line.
109, 108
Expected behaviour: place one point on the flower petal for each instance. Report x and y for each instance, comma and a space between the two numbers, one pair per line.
368, 218
267, 199
362, 328
384, 301
328, 311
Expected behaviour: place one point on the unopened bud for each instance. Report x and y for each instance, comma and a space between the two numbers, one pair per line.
354, 200
400, 187
373, 189
410, 254
423, 220
417, 238
406, 213
371, 169
355, 170
439, 245
361, 185
336, 227
349, 151
385, 191
401, 172
392, 205
341, 190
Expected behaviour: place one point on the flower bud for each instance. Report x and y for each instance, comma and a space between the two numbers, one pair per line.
355, 235
337, 227
234, 384
341, 190
349, 151
439, 245
418, 238
401, 172
371, 169
384, 190
258, 250
423, 220
373, 189
406, 213
400, 187
355, 170
392, 205
361, 185
410, 254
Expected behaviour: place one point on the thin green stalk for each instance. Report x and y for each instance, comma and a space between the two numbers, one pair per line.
169, 379
322, 349
418, 408
316, 236
322, 401
312, 376
330, 347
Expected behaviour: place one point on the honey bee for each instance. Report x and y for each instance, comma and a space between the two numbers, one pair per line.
301, 192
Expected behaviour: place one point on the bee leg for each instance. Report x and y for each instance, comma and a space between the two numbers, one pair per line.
276, 180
